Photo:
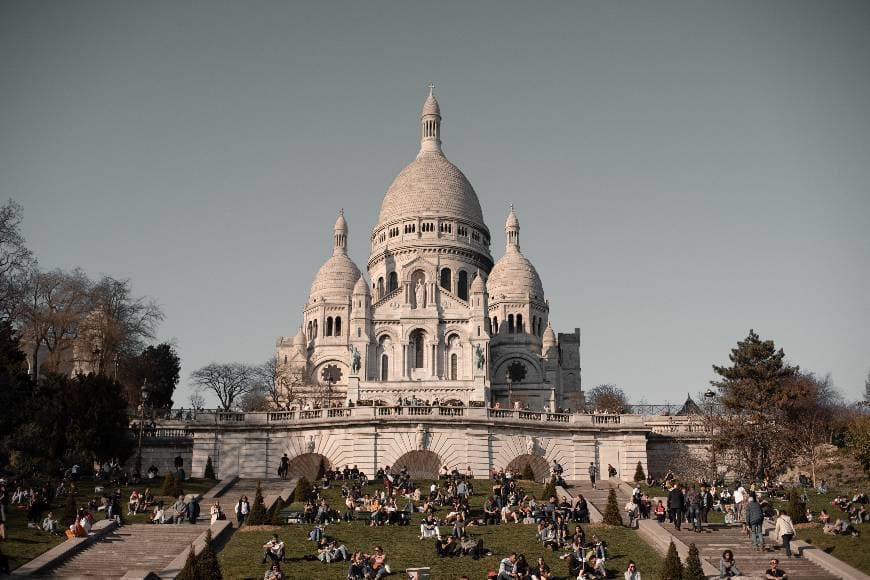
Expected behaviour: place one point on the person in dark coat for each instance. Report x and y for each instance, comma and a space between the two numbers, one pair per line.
676, 505
193, 510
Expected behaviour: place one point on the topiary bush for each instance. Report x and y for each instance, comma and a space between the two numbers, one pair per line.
612, 516
258, 516
70, 510
528, 473
321, 470
694, 570
273, 516
303, 489
207, 565
639, 474
673, 568
796, 508
169, 485
549, 491
209, 470
189, 570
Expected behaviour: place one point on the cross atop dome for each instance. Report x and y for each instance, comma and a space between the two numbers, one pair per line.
431, 88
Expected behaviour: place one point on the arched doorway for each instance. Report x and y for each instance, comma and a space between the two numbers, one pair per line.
539, 466
308, 465
420, 464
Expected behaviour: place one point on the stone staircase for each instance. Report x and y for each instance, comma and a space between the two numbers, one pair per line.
716, 538
248, 487
135, 546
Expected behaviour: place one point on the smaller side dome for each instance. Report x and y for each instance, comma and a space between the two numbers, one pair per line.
341, 223
361, 287
299, 339
478, 285
549, 338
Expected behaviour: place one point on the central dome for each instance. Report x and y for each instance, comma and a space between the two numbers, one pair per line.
430, 186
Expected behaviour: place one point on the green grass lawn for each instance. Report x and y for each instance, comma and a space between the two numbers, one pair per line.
853, 551
241, 556
23, 544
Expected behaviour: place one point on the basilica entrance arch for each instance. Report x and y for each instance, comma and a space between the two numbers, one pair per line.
539, 466
307, 465
420, 464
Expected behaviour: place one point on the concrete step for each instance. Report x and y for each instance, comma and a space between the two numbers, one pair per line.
136, 546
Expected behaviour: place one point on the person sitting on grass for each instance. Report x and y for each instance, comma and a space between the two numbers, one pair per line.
593, 569
447, 547
507, 514
357, 568
632, 573
377, 564
429, 528
273, 549
507, 568
540, 571
331, 551
274, 572
50, 524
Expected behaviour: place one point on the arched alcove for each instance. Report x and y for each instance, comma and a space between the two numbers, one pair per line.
540, 467
420, 464
307, 465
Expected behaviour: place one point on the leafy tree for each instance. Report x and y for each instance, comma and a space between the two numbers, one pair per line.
549, 490
258, 516
321, 470
612, 515
97, 426
694, 570
673, 568
207, 565
528, 472
209, 470
639, 474
228, 381
189, 570
70, 509
756, 393
16, 391
303, 489
858, 441
867, 388
15, 260
797, 509
171, 486
608, 398
157, 368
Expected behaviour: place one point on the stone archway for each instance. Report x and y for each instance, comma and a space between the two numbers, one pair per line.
540, 466
420, 464
307, 465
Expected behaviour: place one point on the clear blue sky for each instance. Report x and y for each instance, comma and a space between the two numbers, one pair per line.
683, 171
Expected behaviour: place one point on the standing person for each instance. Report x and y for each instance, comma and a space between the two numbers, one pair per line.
706, 503
285, 466
631, 509
784, 531
242, 509
727, 566
193, 510
593, 473
755, 519
693, 502
740, 503
676, 505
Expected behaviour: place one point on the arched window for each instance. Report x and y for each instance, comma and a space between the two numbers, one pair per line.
315, 329
540, 321
385, 367
454, 366
328, 331
380, 287
338, 326
519, 323
419, 349
310, 330
445, 279
394, 281
535, 325
495, 324
510, 323
462, 285
285, 359
358, 332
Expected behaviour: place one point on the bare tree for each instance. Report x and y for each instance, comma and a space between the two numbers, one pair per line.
609, 398
282, 383
811, 418
15, 261
197, 401
228, 381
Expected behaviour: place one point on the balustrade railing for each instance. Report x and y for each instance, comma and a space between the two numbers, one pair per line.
163, 433
606, 419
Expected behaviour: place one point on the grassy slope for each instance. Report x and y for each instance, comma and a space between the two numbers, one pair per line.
240, 558
23, 544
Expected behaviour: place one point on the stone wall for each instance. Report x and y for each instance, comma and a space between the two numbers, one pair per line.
162, 454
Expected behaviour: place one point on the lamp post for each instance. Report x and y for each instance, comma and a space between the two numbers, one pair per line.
143, 398
709, 398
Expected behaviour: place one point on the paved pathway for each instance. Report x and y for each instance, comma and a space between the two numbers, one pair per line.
130, 547
715, 539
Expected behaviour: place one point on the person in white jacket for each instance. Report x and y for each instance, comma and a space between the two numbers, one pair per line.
784, 531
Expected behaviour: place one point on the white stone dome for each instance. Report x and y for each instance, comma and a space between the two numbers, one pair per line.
335, 279
361, 287
513, 276
431, 186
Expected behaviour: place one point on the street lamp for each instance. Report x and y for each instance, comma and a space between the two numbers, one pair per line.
709, 398
142, 399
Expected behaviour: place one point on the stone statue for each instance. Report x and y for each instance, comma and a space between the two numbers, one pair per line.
479, 358
419, 292
354, 359
421, 437
310, 444
530, 445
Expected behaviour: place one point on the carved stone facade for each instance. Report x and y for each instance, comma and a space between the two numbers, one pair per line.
437, 318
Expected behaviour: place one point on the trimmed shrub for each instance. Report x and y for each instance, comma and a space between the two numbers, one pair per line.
207, 565
273, 516
796, 508
694, 570
549, 491
70, 510
189, 570
321, 470
303, 489
209, 470
257, 517
639, 474
528, 473
673, 568
612, 516
171, 486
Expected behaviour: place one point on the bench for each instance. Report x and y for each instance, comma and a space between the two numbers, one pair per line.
290, 516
